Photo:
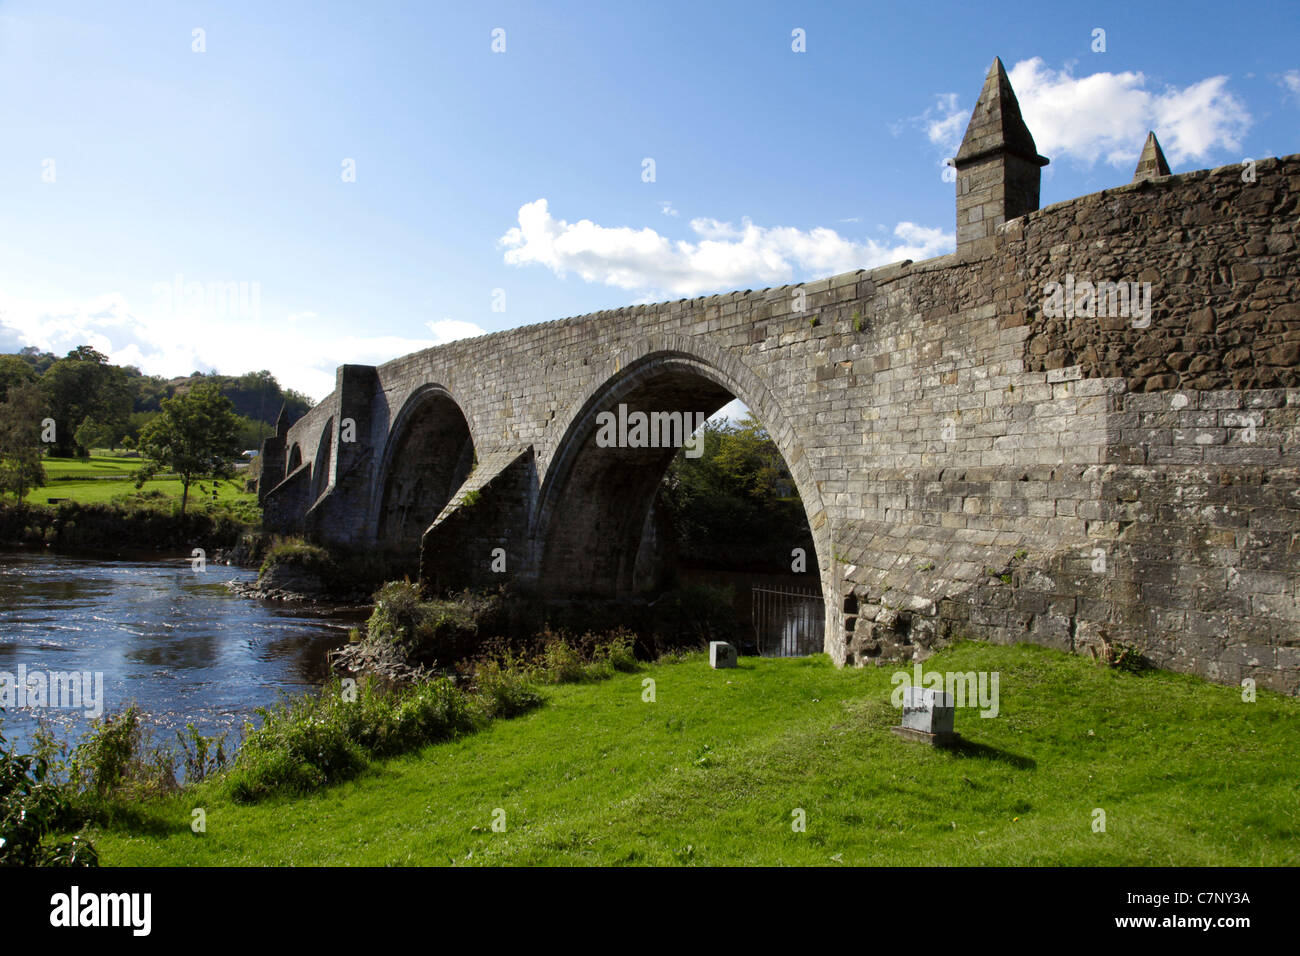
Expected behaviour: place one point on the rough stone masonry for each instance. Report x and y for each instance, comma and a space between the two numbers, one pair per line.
970, 465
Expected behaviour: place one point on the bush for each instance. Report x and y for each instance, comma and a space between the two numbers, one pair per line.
32, 806
314, 740
295, 552
561, 661
204, 756
397, 615
504, 691
428, 632
115, 758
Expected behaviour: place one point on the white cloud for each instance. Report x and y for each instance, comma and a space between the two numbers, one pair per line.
667, 209
1106, 116
725, 256
945, 122
1290, 81
449, 330
303, 354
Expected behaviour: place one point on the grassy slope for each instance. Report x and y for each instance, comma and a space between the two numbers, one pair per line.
1187, 773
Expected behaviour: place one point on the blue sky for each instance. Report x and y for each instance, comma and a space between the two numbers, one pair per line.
133, 165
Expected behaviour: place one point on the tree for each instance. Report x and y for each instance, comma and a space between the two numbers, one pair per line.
195, 435
83, 385
21, 416
14, 372
93, 434
735, 505
38, 360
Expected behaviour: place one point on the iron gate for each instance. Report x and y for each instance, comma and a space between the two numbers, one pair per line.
788, 622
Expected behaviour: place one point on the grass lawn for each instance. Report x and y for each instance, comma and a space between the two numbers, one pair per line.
96, 466
99, 479
1186, 772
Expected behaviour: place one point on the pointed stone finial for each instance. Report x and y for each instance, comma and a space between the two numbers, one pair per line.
1152, 163
998, 166
282, 421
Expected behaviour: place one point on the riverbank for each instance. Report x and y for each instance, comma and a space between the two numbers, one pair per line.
121, 529
679, 764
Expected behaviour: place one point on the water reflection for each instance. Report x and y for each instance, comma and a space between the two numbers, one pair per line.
175, 642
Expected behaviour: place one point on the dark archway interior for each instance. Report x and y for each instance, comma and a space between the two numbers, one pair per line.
601, 529
432, 458
294, 462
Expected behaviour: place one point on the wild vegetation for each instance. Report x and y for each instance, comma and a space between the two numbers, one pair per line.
735, 506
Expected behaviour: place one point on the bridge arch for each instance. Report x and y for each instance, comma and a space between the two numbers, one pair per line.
294, 461
428, 456
594, 500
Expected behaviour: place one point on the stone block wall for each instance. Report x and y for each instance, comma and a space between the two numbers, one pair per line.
961, 455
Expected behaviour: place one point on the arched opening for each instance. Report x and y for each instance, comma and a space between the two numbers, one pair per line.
294, 461
429, 457
602, 526
320, 471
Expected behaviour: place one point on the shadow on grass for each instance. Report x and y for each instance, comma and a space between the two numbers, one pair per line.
137, 820
970, 749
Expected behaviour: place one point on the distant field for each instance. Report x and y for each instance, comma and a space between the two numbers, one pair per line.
101, 478
96, 466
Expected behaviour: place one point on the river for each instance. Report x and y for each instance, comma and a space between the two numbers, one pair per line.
159, 634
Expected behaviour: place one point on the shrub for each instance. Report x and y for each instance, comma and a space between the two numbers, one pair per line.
428, 631
617, 651
115, 757
504, 691
32, 806
314, 740
561, 662
294, 552
397, 615
203, 756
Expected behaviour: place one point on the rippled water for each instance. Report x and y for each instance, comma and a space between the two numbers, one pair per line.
176, 642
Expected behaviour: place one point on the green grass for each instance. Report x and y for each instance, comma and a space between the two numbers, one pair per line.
96, 466
101, 478
1187, 773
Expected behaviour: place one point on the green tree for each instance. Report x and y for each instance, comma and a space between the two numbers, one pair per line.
735, 506
93, 434
83, 385
38, 360
196, 435
14, 372
21, 416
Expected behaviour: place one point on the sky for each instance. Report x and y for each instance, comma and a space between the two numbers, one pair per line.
239, 186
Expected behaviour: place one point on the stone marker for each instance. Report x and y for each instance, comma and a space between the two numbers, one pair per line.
721, 654
927, 716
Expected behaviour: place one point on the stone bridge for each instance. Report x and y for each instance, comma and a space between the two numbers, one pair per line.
979, 452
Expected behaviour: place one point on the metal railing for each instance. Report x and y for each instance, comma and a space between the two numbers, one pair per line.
788, 622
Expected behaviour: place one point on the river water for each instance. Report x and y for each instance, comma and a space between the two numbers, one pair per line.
174, 641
